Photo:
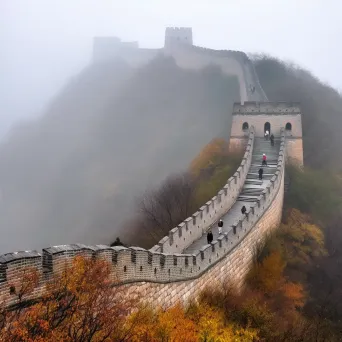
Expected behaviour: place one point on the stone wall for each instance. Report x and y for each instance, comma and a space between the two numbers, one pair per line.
178, 275
237, 144
193, 227
191, 57
294, 151
186, 56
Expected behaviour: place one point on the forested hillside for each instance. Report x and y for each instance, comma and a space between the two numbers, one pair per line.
73, 174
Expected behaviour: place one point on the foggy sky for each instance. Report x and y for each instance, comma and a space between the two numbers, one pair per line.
44, 42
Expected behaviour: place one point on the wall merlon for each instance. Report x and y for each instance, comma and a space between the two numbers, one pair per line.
195, 216
163, 242
188, 223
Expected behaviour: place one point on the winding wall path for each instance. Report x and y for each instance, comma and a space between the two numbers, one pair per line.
182, 264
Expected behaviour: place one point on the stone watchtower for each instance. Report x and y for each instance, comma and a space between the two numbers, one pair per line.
271, 116
178, 35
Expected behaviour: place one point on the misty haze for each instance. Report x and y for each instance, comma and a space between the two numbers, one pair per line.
84, 135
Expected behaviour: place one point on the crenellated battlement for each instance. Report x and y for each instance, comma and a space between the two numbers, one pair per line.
274, 108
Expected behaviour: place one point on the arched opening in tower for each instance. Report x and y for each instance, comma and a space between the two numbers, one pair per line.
245, 126
267, 127
288, 126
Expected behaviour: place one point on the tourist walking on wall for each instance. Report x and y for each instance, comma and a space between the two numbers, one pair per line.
272, 139
210, 237
264, 159
220, 225
243, 210
261, 171
267, 133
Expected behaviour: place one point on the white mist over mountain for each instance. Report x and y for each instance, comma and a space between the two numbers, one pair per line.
44, 43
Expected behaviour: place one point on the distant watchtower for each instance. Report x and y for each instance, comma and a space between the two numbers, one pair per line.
178, 35
270, 116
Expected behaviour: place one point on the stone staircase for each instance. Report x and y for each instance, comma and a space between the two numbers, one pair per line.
253, 187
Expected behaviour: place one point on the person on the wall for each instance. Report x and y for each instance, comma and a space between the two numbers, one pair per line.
243, 210
220, 225
272, 139
261, 172
117, 242
267, 133
210, 237
264, 160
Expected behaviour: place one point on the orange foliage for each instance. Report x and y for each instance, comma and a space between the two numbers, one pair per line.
294, 293
209, 156
268, 275
79, 305
170, 325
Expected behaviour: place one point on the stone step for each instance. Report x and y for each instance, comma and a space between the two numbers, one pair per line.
256, 177
254, 194
267, 169
257, 174
268, 157
269, 165
244, 199
250, 195
251, 190
253, 182
260, 163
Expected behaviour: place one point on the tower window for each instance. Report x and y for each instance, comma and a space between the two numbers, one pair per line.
288, 126
245, 126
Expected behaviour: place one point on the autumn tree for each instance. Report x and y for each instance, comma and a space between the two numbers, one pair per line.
163, 208
268, 275
171, 325
79, 305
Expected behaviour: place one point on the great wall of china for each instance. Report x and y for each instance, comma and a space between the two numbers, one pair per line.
182, 263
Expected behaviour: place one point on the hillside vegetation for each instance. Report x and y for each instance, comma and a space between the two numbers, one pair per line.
113, 132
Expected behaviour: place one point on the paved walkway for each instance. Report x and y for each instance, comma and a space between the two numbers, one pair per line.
250, 191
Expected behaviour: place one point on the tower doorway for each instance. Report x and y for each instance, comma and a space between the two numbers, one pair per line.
267, 127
